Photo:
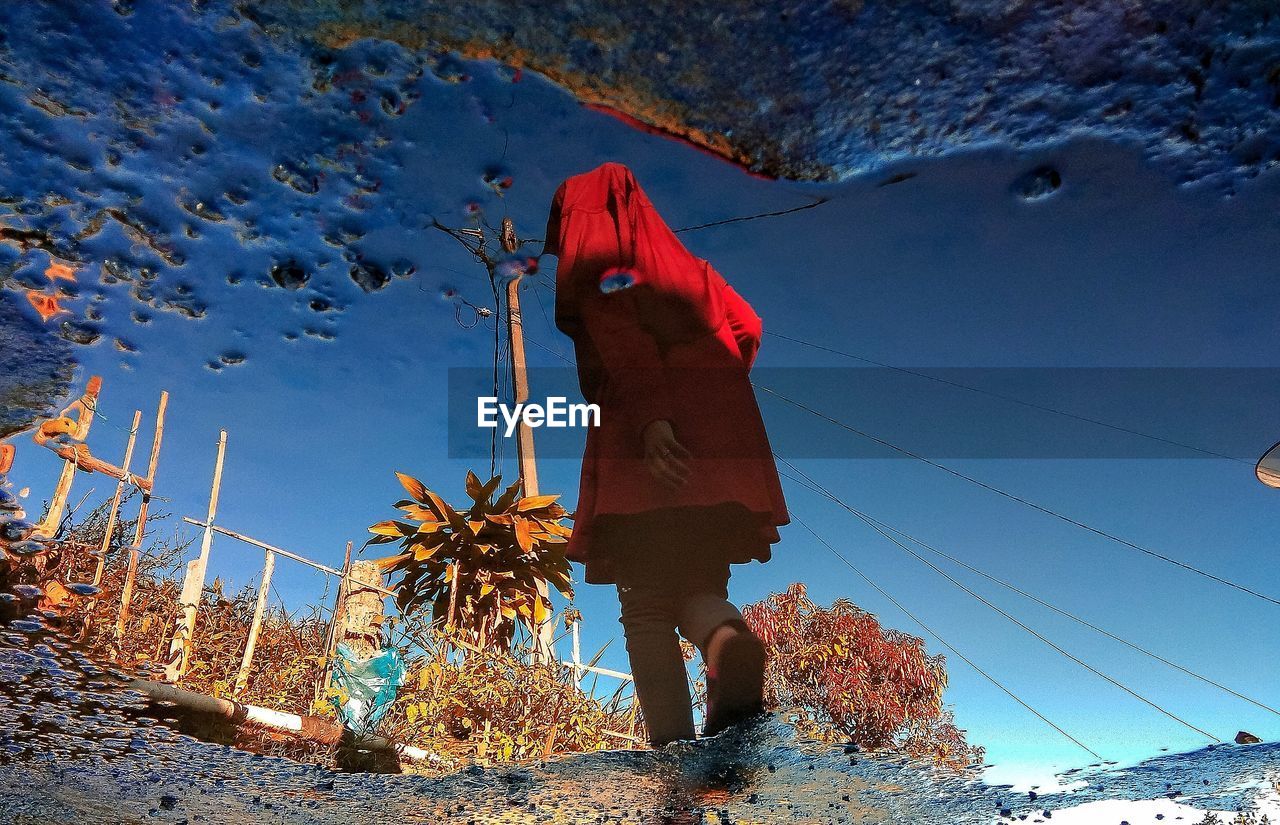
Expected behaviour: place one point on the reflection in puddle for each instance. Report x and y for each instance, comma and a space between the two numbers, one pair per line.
204, 173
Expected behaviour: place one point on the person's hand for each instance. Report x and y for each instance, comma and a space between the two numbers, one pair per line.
664, 456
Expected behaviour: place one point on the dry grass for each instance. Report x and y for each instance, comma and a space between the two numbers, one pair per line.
488, 707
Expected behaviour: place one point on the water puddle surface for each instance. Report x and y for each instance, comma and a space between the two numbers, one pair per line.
197, 200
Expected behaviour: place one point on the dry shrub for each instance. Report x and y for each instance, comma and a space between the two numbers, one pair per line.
841, 675
287, 662
491, 705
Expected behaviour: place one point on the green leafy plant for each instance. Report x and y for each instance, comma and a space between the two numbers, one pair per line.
479, 571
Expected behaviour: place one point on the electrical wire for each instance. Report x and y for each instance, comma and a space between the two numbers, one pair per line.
1009, 398
816, 203
1034, 598
993, 680
1025, 502
1056, 647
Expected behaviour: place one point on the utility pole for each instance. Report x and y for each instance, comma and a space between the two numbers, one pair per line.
544, 647
475, 242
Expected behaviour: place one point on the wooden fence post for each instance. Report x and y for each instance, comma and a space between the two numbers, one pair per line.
131, 575
114, 513
86, 406
193, 584
335, 622
362, 612
246, 664
112, 516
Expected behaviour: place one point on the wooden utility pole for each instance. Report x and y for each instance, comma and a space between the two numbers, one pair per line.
85, 406
259, 610
131, 575
543, 644
193, 584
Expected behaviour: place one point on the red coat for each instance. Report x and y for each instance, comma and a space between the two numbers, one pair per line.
676, 344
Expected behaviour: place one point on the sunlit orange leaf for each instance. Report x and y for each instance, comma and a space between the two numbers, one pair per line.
58, 270
45, 304
415, 488
534, 502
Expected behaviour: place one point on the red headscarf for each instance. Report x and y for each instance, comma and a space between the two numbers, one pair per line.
615, 231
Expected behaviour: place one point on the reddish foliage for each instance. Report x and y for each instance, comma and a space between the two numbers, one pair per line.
841, 674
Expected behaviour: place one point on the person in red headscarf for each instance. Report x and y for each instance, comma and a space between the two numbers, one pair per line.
678, 480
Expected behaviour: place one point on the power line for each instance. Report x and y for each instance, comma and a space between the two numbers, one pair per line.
871, 523
993, 680
545, 348
1012, 497
1009, 398
1078, 619
814, 204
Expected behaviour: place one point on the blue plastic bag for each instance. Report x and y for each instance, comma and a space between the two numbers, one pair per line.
369, 685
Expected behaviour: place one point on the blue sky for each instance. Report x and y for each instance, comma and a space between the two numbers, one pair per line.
1119, 268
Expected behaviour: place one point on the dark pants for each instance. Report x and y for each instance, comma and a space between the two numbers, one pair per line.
656, 602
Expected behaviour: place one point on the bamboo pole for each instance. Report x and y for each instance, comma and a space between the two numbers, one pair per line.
306, 727
193, 584
112, 516
581, 670
579, 673
281, 552
131, 575
86, 405
114, 512
246, 664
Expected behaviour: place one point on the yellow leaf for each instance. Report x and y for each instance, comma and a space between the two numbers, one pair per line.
57, 269
387, 562
390, 528
418, 513
443, 510
524, 536
414, 487
534, 502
